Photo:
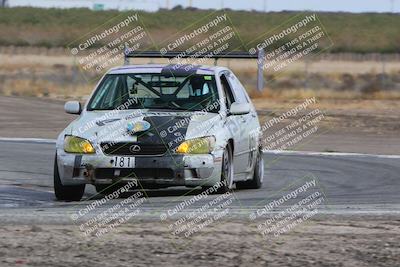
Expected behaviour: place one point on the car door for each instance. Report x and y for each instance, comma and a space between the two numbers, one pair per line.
237, 125
248, 122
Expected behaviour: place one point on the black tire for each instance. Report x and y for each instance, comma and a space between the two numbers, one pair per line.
256, 182
226, 170
64, 192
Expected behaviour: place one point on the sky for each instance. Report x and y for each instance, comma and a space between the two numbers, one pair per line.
268, 5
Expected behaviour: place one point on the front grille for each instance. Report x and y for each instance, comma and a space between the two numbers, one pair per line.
104, 173
126, 149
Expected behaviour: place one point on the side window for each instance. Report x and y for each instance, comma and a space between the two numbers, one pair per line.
238, 89
229, 99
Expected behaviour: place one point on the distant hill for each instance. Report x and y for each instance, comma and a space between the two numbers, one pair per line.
359, 33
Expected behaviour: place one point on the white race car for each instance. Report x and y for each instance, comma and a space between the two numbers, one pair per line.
161, 126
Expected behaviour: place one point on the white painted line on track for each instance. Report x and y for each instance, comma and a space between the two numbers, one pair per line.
29, 140
334, 154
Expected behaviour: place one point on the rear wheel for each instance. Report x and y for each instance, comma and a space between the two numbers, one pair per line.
66, 192
227, 170
258, 175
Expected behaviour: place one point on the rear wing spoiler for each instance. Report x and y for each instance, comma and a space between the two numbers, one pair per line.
260, 56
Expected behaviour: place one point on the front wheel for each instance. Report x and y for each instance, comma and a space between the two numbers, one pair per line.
258, 175
227, 170
64, 192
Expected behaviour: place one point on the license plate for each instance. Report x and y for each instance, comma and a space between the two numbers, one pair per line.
124, 162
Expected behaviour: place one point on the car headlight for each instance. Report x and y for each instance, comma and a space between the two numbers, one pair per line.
74, 144
202, 145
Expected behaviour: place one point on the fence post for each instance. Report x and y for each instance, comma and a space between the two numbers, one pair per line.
260, 68
126, 53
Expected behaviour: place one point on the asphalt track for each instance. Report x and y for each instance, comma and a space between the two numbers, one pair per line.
351, 184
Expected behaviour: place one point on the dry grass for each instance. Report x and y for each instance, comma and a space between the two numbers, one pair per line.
302, 93
28, 75
43, 88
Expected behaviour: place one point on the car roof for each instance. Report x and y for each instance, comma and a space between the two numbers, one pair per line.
169, 68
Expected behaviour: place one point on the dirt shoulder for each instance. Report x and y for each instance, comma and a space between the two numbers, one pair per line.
333, 241
32, 117
362, 126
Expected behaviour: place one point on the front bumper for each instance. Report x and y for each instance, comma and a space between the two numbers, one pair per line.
162, 171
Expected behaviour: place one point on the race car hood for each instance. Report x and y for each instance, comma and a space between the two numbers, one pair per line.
170, 128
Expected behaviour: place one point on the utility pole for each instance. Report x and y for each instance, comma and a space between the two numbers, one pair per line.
167, 4
190, 3
3, 3
392, 6
265, 5
260, 69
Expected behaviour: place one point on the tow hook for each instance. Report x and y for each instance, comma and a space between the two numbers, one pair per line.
88, 172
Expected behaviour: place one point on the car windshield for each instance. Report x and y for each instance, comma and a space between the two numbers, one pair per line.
156, 91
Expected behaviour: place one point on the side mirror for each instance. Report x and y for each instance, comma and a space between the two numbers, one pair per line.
239, 108
73, 107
